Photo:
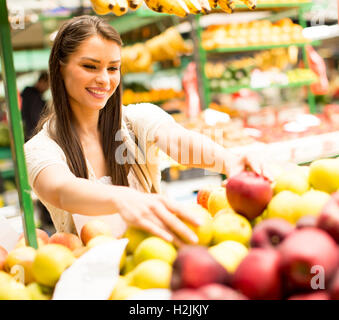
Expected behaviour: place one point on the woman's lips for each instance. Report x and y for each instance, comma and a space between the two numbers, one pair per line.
99, 94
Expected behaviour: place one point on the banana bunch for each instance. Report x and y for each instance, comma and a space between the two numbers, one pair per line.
226, 5
136, 58
117, 7
167, 45
251, 4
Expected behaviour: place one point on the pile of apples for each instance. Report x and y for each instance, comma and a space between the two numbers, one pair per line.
259, 239
293, 250
31, 274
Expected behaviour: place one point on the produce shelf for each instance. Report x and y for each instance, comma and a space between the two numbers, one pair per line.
277, 85
263, 47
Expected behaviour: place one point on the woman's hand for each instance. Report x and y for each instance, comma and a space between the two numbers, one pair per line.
158, 215
256, 163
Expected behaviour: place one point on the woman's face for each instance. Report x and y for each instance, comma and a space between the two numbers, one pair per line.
92, 73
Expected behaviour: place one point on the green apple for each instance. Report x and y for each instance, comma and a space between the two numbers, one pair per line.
324, 175
283, 205
311, 203
294, 180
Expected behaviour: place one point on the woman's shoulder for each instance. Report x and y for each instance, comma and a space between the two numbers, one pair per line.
42, 141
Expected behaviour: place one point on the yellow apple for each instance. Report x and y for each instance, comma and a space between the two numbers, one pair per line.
11, 289
294, 180
231, 226
229, 254
128, 265
324, 175
217, 201
50, 262
311, 203
134, 236
123, 290
153, 273
155, 248
99, 240
284, 205
23, 257
39, 292
205, 230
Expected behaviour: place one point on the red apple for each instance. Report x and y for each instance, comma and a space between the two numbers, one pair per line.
328, 218
68, 240
3, 256
248, 193
43, 235
258, 275
306, 221
269, 233
217, 291
318, 295
304, 249
334, 286
195, 267
93, 228
187, 294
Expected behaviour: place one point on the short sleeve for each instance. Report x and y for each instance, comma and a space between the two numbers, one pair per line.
41, 152
145, 119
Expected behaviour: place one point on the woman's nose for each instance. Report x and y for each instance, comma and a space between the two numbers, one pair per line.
103, 77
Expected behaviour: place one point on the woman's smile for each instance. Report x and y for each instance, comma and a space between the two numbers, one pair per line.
98, 93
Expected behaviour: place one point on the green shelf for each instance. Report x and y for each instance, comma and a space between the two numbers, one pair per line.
277, 5
280, 86
262, 47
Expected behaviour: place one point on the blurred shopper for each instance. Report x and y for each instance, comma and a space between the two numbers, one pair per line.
33, 104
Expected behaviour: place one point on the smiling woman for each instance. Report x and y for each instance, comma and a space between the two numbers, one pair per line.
91, 156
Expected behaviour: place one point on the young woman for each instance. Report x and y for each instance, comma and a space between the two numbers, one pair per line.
93, 156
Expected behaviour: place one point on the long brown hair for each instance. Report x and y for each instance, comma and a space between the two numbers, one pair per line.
61, 125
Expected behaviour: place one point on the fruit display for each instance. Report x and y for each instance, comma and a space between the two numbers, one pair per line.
228, 134
140, 57
154, 95
263, 69
180, 8
253, 33
258, 239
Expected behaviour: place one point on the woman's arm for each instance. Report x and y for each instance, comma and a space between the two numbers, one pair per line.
151, 212
196, 150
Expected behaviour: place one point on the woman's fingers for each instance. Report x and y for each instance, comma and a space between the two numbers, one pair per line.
157, 221
153, 228
176, 225
181, 212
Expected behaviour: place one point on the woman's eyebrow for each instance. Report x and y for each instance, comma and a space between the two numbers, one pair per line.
98, 61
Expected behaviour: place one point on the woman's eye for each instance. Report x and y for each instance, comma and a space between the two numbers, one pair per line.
88, 66
113, 68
